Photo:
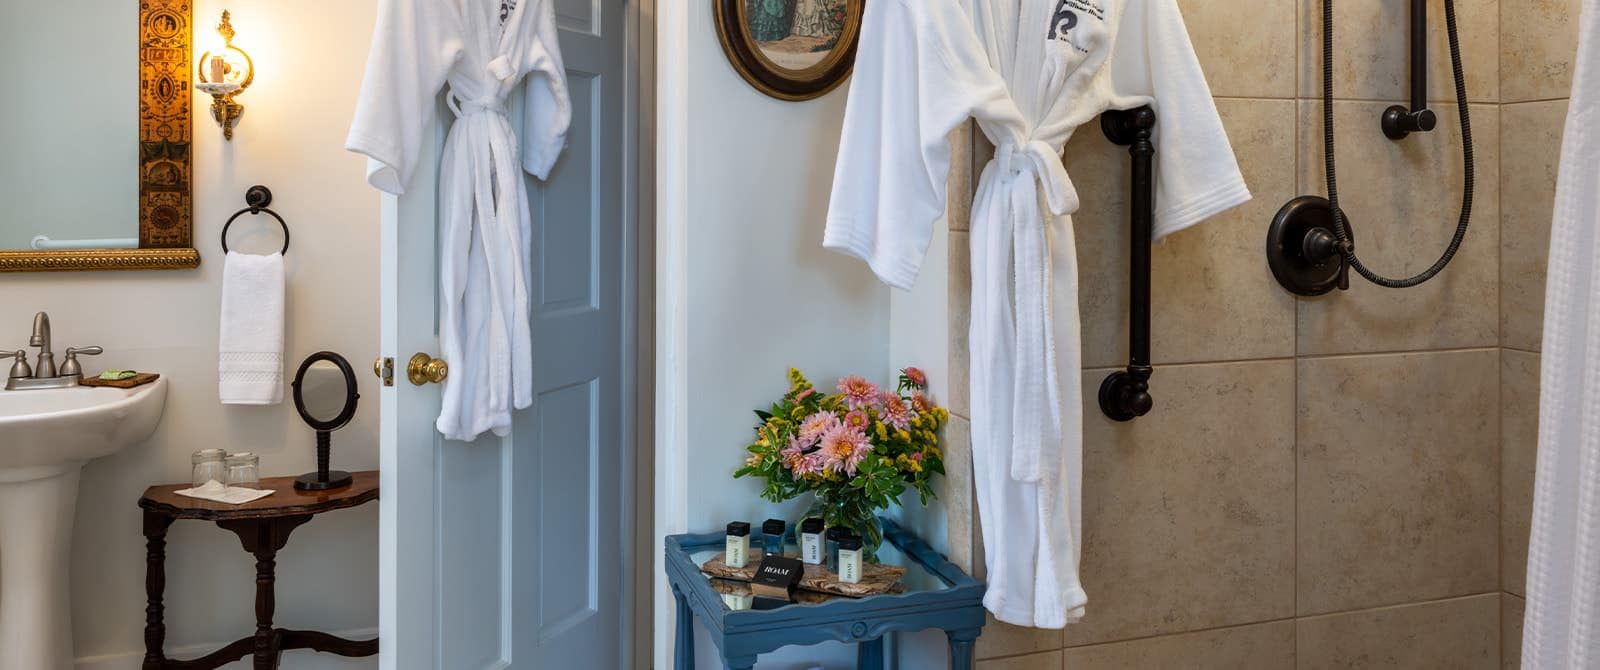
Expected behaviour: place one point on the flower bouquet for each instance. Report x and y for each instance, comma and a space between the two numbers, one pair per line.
856, 450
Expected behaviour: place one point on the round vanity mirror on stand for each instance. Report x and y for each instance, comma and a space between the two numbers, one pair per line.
325, 394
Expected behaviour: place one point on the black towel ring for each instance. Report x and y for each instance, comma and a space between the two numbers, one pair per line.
258, 197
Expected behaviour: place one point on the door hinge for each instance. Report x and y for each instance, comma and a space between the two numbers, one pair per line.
384, 369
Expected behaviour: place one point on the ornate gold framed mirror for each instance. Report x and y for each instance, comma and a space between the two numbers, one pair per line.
72, 179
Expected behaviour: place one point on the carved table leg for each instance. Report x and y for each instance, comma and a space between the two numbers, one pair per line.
263, 538
683, 647
266, 658
869, 654
739, 662
961, 647
155, 586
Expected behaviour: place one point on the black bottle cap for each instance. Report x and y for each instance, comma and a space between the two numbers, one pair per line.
850, 543
739, 528
811, 525
773, 526
837, 532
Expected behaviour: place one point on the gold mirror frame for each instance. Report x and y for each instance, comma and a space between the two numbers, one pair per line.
166, 201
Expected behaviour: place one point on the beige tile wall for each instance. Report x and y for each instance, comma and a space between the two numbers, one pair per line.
1537, 45
1331, 482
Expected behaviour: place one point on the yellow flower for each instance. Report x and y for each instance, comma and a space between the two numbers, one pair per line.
753, 461
903, 436
883, 433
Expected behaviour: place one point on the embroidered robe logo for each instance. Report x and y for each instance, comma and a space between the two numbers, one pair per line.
1062, 20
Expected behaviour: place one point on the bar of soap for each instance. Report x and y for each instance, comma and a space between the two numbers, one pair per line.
118, 375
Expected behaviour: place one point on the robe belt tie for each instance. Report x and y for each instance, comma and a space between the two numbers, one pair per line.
463, 108
1036, 394
1039, 158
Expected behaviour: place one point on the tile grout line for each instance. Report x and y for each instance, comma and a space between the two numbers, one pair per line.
1264, 622
1305, 357
1294, 535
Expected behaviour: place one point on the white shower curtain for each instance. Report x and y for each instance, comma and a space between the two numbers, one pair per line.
1561, 629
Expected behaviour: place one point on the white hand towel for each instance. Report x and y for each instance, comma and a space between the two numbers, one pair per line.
232, 495
250, 348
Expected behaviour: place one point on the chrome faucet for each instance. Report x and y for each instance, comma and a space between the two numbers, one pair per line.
45, 375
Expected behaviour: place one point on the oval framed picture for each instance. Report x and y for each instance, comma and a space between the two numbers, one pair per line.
790, 49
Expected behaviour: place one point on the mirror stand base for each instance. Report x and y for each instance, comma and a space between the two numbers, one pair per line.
316, 481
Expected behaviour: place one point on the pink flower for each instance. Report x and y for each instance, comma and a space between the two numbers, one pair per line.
858, 392
857, 419
918, 378
816, 425
894, 410
812, 464
916, 455
794, 454
843, 449
805, 394
921, 402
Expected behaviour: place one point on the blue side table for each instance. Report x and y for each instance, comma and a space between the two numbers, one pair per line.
937, 595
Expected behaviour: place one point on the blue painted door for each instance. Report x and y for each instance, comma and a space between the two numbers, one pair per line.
508, 552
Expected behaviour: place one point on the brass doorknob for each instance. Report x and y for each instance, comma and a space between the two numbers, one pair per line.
424, 368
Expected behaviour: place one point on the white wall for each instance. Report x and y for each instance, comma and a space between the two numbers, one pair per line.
309, 57
762, 294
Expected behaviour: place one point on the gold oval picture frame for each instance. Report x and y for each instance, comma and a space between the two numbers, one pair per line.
790, 49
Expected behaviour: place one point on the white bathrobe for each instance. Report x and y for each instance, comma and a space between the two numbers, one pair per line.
1031, 72
1561, 628
482, 49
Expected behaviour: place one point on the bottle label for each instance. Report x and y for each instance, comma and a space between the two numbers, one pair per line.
849, 566
738, 554
811, 548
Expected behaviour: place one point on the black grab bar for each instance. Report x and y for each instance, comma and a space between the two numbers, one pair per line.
1125, 394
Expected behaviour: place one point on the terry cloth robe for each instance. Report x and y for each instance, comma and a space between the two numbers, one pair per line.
482, 49
1561, 626
1031, 72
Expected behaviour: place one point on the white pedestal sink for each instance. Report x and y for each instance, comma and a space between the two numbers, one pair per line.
46, 436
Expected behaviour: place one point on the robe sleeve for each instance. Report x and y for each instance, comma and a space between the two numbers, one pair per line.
919, 73
414, 45
1153, 62
547, 113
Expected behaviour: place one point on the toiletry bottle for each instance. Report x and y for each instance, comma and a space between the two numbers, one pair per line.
738, 554
850, 559
772, 536
811, 541
831, 545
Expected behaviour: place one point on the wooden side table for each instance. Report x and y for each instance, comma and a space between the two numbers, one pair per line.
263, 527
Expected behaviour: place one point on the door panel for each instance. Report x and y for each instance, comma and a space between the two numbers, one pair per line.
507, 552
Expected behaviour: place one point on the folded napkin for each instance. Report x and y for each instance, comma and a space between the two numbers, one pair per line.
250, 347
232, 495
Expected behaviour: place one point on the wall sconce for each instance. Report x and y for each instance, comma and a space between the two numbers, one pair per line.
225, 72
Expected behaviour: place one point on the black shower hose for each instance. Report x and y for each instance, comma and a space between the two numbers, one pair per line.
1346, 245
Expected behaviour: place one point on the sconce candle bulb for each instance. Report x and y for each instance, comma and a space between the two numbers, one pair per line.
224, 73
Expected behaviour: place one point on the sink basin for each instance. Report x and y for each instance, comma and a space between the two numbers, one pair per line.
43, 431
46, 436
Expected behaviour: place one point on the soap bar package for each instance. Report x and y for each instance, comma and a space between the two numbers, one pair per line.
777, 577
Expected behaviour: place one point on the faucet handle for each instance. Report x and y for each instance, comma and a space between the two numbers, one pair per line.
20, 369
70, 366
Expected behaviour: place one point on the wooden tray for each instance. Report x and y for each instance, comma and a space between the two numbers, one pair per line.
875, 578
137, 380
